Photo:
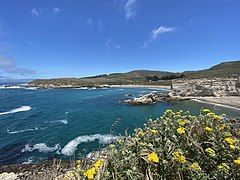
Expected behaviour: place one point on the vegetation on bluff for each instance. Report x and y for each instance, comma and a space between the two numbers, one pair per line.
178, 145
141, 77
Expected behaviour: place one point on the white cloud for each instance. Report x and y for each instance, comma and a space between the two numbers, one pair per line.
56, 10
95, 23
130, 9
9, 67
156, 33
110, 44
35, 12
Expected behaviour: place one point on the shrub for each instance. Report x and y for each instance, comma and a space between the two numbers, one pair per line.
178, 145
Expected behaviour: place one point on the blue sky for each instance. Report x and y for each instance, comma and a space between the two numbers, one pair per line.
75, 38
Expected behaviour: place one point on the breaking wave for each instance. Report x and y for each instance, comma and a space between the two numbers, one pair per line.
24, 130
71, 146
63, 121
41, 147
21, 109
17, 87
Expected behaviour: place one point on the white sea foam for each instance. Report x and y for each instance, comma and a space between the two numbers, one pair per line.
28, 161
63, 121
10, 87
21, 109
17, 87
24, 130
30, 88
81, 88
41, 147
71, 146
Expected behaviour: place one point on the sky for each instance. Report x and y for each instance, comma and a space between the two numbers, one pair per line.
78, 38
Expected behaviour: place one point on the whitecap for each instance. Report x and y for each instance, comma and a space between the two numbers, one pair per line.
63, 121
21, 131
21, 109
28, 161
10, 87
71, 146
30, 88
83, 88
41, 147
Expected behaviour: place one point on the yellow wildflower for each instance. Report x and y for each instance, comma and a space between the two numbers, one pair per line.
195, 166
140, 134
223, 167
182, 122
206, 111
211, 114
216, 117
237, 161
208, 129
90, 173
223, 127
233, 147
169, 111
153, 157
230, 140
211, 152
98, 164
181, 130
154, 131
179, 157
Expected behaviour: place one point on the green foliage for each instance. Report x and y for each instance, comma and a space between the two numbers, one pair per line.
142, 77
178, 145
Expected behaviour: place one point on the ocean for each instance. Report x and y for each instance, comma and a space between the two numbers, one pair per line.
42, 124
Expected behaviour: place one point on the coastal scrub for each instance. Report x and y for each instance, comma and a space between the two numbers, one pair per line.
178, 145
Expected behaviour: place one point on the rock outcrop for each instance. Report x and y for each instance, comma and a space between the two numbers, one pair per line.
215, 87
145, 99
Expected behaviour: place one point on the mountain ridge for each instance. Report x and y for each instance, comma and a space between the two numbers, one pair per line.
142, 77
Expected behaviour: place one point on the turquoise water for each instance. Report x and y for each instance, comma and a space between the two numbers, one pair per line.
41, 124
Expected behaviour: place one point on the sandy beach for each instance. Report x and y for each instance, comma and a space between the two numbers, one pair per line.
232, 102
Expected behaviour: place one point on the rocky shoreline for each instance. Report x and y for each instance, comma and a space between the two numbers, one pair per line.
217, 91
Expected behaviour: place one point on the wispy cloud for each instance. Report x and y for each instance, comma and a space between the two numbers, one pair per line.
110, 44
156, 33
35, 12
98, 23
56, 10
130, 9
9, 67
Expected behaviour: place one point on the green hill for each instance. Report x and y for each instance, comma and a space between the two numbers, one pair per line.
142, 77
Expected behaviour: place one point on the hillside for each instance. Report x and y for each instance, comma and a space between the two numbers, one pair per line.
141, 77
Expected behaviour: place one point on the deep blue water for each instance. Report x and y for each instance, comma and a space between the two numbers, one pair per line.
41, 124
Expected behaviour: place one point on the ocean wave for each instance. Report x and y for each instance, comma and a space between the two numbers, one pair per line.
24, 130
63, 121
31, 88
10, 87
83, 88
21, 109
17, 87
41, 147
71, 146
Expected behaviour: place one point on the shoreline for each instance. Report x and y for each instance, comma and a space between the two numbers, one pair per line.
141, 86
231, 102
